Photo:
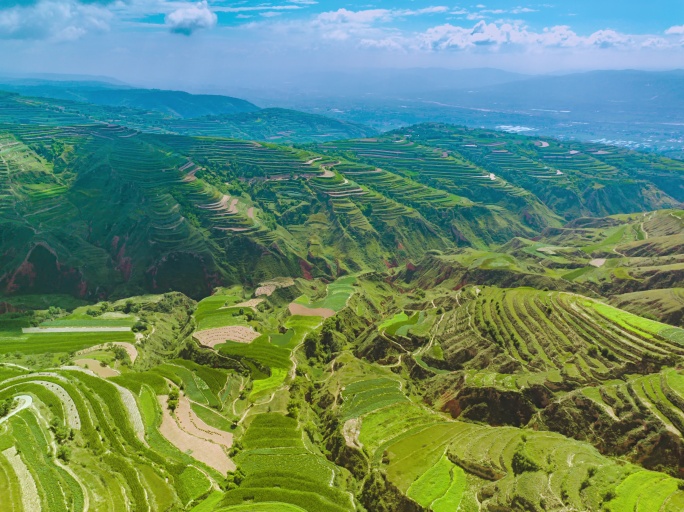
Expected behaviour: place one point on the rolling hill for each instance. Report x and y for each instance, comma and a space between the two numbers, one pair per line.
434, 319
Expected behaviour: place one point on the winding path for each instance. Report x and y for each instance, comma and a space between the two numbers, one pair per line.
26, 401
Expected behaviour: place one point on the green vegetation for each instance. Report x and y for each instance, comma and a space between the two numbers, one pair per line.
447, 319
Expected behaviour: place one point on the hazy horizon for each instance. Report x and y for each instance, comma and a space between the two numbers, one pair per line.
190, 45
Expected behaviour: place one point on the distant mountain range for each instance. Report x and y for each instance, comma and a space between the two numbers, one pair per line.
173, 103
636, 109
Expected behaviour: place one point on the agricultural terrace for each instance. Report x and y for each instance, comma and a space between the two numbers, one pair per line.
337, 295
111, 431
443, 464
582, 339
547, 168
14, 341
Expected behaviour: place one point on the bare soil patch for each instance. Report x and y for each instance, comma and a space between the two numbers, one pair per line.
97, 368
351, 431
202, 450
193, 425
29, 493
598, 262
299, 309
133, 412
268, 287
213, 337
251, 303
265, 290
220, 205
542, 144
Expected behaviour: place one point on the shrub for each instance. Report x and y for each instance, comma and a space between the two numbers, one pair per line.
609, 495
522, 463
64, 453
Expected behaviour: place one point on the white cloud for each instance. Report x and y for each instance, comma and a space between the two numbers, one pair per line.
522, 10
608, 39
655, 43
677, 30
511, 35
190, 18
344, 16
560, 36
55, 20
369, 16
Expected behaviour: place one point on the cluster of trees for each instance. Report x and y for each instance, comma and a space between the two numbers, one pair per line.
323, 346
63, 435
6, 406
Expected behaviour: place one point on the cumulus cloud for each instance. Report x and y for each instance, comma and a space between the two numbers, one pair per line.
513, 35
677, 30
344, 24
188, 19
608, 39
374, 15
55, 20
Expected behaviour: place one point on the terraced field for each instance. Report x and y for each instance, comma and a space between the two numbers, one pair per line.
580, 339
437, 318
77, 416
442, 464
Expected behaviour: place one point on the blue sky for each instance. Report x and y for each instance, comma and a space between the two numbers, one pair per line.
176, 42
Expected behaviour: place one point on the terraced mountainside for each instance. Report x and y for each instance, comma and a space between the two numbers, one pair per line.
199, 212
433, 319
351, 395
167, 112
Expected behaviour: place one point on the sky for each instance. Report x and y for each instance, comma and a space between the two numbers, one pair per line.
167, 43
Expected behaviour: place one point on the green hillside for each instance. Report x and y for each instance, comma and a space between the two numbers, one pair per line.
434, 319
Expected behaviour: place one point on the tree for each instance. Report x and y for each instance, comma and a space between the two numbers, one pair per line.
173, 398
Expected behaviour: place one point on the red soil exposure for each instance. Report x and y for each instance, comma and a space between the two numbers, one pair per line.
152, 271
459, 286
306, 269
26, 269
115, 242
453, 407
410, 266
390, 264
124, 263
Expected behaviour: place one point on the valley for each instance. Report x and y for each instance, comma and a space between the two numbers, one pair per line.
207, 314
